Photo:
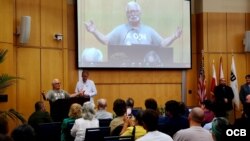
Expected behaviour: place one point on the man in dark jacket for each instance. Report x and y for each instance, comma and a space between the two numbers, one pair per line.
245, 93
223, 95
39, 116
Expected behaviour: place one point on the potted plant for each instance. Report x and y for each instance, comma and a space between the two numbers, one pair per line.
6, 81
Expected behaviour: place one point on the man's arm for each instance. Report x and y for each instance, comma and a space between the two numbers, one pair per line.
90, 26
92, 91
43, 95
75, 94
169, 40
231, 93
242, 95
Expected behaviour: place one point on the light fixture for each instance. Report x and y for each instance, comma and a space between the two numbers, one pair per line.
58, 36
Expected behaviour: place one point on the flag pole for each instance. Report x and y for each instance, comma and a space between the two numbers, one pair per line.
234, 105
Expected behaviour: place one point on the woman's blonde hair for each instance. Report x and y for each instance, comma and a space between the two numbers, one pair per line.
75, 111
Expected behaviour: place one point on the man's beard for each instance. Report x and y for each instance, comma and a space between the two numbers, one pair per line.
134, 19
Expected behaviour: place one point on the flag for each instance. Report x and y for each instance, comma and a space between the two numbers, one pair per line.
221, 73
214, 79
234, 84
202, 81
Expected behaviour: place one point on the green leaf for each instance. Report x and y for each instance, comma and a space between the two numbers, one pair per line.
3, 53
6, 81
12, 114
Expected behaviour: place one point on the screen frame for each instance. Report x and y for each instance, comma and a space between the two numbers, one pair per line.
134, 68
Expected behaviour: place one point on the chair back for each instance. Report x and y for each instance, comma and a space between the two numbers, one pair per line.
117, 130
97, 134
104, 122
135, 110
49, 131
67, 134
118, 138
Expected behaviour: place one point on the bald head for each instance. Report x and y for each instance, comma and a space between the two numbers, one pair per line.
56, 84
197, 115
56, 80
101, 103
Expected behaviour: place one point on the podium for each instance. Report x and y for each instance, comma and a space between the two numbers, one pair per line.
59, 109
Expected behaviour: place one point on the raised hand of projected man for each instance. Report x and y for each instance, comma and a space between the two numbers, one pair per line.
90, 26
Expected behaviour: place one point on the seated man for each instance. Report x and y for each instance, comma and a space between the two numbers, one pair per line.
39, 116
101, 112
119, 107
195, 132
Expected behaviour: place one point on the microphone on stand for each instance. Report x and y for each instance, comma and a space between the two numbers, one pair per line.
125, 37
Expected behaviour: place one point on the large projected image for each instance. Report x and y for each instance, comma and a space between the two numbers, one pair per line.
134, 34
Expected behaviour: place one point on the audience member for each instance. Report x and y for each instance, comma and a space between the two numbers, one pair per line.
4, 128
151, 103
4, 137
86, 86
244, 121
150, 123
245, 93
217, 113
223, 98
39, 116
91, 55
184, 109
75, 112
130, 103
101, 112
88, 121
23, 132
207, 107
58, 93
174, 119
119, 107
195, 132
219, 127
133, 127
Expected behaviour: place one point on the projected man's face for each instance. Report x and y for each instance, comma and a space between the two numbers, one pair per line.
133, 13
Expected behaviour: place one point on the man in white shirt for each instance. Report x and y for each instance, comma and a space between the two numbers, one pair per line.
86, 86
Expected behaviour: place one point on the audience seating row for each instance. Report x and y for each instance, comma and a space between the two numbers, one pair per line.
52, 132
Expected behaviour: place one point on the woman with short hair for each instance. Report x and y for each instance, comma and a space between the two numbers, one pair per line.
87, 121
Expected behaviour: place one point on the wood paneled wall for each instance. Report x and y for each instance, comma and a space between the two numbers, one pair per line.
43, 58
222, 35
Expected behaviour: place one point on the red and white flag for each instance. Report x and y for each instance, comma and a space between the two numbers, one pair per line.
221, 73
234, 84
202, 82
214, 79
